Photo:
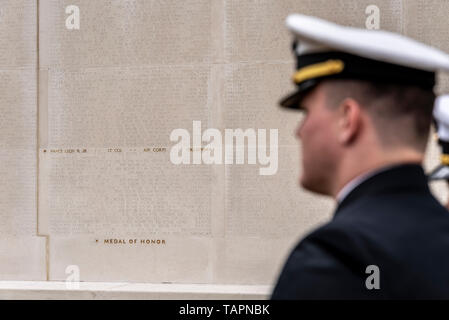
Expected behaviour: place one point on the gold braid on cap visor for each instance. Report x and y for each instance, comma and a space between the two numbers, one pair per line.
321, 69
445, 159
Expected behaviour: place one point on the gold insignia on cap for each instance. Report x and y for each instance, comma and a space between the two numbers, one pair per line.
321, 69
444, 159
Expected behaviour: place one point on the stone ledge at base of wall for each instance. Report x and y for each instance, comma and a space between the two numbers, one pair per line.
43, 290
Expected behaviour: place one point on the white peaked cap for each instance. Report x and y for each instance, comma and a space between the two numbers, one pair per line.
441, 115
379, 45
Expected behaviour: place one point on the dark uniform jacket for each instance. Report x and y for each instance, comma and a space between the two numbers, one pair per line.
392, 221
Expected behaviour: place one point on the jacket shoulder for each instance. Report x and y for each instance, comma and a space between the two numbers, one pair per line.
327, 264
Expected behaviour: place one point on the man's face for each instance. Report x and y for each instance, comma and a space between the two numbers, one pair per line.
318, 134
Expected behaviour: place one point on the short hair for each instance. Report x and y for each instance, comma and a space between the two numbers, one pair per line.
402, 114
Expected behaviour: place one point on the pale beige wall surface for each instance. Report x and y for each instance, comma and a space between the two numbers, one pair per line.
22, 252
135, 71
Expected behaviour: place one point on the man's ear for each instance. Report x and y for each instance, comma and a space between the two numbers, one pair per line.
349, 123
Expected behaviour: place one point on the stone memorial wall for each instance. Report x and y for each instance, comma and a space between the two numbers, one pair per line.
90, 93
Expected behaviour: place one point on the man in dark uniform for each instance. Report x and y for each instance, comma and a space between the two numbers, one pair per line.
367, 99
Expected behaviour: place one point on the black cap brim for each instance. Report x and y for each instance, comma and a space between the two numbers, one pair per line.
293, 100
440, 173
